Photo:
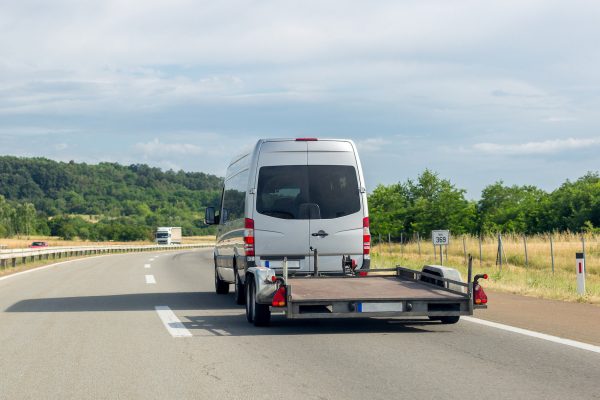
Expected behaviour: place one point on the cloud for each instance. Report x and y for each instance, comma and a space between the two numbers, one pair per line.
370, 145
164, 150
544, 147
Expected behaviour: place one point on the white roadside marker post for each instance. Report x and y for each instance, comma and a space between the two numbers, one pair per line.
580, 269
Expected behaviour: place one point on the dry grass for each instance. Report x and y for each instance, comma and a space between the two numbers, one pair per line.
22, 242
199, 239
534, 279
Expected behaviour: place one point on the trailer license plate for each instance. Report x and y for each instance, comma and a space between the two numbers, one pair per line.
379, 307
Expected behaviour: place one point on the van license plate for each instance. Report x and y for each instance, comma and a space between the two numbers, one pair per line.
379, 307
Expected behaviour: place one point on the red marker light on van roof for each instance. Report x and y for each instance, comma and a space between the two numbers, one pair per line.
306, 139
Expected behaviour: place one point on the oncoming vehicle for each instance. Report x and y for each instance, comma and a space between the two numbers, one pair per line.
293, 238
37, 245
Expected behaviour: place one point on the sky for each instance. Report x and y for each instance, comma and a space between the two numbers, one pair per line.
477, 91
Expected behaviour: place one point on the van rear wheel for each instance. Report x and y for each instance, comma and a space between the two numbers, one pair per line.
249, 300
240, 289
449, 320
221, 287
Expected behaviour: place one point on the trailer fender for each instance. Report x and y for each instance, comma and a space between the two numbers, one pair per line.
444, 272
263, 281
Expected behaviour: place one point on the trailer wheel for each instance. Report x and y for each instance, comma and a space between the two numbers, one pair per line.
259, 314
449, 320
221, 287
240, 292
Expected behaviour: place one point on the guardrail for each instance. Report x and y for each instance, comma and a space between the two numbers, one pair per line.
12, 256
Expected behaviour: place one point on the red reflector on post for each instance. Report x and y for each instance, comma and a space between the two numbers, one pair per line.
279, 297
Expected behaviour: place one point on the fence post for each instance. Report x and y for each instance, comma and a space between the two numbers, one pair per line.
526, 256
480, 253
552, 252
419, 243
465, 248
434, 252
500, 251
390, 242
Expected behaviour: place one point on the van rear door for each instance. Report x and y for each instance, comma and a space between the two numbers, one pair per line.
336, 223
281, 182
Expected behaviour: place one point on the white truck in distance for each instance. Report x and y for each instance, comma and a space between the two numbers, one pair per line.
168, 235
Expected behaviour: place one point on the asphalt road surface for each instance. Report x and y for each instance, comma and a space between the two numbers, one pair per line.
91, 329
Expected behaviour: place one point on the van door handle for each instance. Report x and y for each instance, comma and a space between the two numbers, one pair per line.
321, 233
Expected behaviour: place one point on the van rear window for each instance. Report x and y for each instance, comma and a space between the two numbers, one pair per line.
308, 191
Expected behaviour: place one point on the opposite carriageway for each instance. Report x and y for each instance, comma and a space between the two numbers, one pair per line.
12, 257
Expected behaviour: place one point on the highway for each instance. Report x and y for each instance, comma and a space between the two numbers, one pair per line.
91, 329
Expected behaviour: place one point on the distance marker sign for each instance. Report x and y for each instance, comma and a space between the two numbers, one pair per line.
440, 237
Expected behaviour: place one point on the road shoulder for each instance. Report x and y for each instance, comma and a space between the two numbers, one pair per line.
575, 321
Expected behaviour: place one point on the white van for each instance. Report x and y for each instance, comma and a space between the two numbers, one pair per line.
291, 198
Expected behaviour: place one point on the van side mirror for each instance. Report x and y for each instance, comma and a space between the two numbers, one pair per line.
209, 216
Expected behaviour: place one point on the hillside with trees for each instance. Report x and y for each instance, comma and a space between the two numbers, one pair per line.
417, 207
107, 201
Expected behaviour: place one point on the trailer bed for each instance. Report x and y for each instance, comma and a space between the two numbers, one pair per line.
380, 288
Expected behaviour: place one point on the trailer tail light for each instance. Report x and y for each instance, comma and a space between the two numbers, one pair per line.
366, 237
279, 297
479, 295
249, 237
363, 273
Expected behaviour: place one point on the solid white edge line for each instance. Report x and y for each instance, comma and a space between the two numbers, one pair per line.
52, 265
150, 279
171, 322
146, 265
538, 335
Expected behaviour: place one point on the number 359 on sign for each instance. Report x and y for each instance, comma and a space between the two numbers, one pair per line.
440, 237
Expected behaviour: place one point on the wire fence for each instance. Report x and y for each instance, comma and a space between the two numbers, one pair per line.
551, 252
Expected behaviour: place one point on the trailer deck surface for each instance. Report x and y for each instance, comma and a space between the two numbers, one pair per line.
370, 288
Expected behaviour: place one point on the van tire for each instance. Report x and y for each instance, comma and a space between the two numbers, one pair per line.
240, 289
449, 320
221, 287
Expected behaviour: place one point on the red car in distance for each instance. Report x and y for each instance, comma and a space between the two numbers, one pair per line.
38, 245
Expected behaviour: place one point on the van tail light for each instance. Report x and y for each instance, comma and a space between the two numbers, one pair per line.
366, 237
479, 296
249, 237
306, 139
279, 297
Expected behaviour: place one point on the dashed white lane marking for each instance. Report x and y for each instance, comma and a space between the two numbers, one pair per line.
146, 265
150, 279
171, 322
543, 336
